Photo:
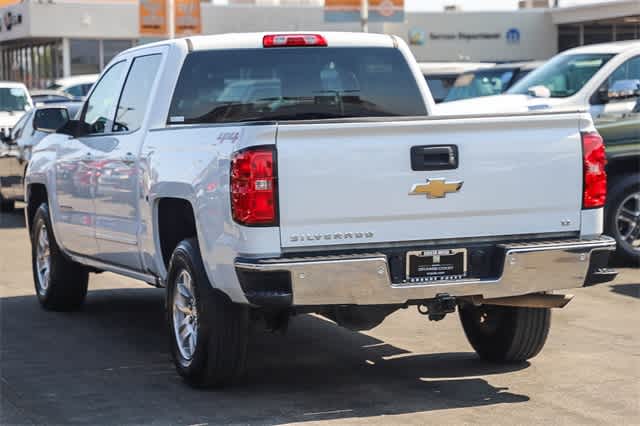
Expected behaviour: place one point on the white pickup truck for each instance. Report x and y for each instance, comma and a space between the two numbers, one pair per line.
259, 176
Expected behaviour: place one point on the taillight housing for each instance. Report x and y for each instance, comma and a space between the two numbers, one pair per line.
294, 40
253, 186
594, 160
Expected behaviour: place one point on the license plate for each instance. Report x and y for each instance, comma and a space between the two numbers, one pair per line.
436, 265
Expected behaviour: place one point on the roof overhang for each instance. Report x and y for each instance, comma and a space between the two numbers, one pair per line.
596, 12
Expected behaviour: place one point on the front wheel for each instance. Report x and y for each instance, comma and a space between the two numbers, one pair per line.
505, 333
208, 332
61, 284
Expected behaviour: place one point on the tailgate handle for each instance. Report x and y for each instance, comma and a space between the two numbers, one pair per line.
434, 157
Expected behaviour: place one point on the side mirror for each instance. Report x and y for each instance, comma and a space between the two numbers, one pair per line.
5, 137
624, 89
539, 91
74, 128
601, 96
50, 119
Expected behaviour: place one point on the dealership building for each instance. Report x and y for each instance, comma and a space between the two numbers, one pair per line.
41, 40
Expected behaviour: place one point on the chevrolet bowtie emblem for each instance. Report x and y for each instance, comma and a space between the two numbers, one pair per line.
436, 188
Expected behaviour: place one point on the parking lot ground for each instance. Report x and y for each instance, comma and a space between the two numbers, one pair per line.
108, 364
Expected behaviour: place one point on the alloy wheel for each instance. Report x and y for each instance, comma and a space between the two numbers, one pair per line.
43, 260
185, 316
628, 221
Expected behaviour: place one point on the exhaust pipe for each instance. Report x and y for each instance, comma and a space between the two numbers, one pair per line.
535, 300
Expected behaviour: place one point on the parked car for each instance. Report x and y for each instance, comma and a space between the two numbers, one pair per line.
603, 79
17, 147
441, 76
77, 86
14, 102
489, 81
321, 197
49, 96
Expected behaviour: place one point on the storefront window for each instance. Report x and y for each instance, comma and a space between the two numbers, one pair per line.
85, 57
36, 65
111, 48
627, 32
598, 34
568, 37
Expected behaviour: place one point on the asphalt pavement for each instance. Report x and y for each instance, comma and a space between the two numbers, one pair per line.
109, 363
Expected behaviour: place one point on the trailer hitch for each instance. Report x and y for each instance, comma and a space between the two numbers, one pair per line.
438, 307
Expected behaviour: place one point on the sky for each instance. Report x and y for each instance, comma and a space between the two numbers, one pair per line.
438, 5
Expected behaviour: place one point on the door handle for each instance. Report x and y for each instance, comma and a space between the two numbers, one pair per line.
128, 158
434, 157
87, 158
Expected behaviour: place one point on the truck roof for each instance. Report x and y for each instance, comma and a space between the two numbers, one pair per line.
77, 79
614, 47
254, 40
12, 84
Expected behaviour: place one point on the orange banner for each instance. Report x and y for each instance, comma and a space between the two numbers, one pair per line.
4, 3
153, 18
355, 4
188, 19
340, 4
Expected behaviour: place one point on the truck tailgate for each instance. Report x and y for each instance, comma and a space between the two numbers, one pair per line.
350, 183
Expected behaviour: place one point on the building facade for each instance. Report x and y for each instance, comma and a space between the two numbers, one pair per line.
41, 40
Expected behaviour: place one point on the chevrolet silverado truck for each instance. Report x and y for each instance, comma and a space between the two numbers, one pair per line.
260, 176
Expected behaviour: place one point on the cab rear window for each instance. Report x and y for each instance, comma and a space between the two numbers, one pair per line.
294, 84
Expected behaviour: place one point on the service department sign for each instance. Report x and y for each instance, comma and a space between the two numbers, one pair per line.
417, 37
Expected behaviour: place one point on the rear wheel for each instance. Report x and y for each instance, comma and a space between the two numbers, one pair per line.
505, 333
61, 284
208, 332
622, 218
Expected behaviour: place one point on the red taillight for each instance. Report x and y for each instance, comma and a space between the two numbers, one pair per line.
594, 160
253, 187
284, 40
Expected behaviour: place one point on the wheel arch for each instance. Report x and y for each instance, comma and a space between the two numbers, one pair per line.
175, 220
36, 194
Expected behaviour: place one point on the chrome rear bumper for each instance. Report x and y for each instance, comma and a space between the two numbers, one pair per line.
364, 279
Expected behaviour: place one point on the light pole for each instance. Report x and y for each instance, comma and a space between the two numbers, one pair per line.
171, 19
364, 15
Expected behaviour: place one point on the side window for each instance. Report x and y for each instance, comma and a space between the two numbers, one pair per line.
135, 95
27, 130
629, 70
100, 107
19, 127
75, 90
85, 88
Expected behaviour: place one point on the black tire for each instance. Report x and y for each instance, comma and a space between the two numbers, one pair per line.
621, 189
66, 287
222, 326
504, 333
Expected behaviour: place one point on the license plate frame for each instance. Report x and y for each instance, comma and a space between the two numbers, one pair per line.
451, 265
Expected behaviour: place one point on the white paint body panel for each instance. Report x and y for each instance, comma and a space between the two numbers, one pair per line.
522, 175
